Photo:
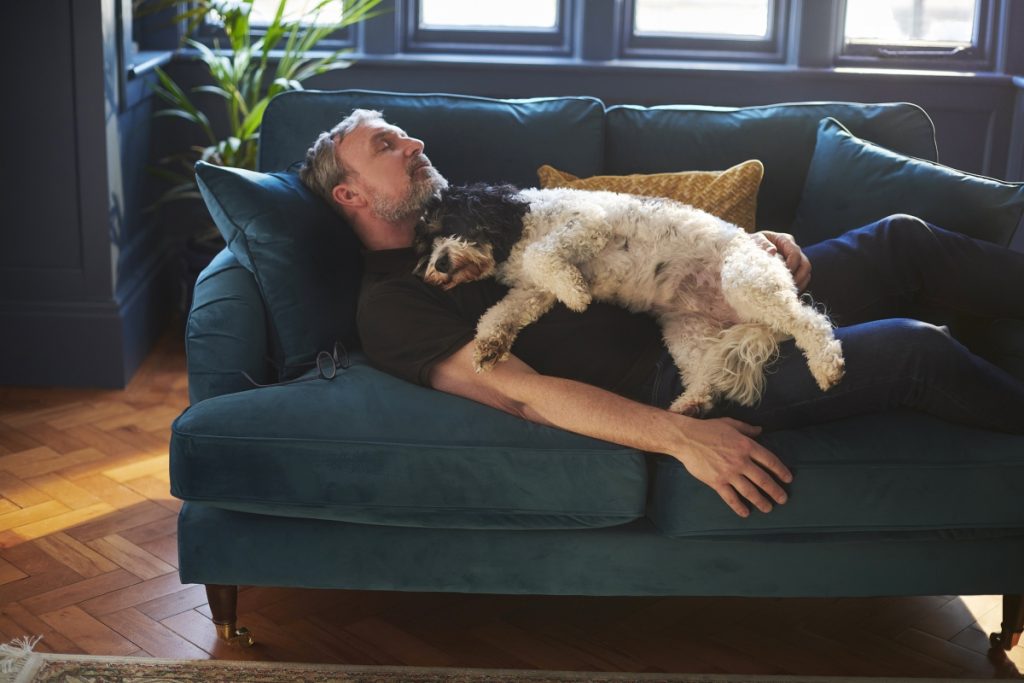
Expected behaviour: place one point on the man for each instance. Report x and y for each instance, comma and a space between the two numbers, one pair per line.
594, 373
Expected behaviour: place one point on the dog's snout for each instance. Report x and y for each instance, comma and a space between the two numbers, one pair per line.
443, 263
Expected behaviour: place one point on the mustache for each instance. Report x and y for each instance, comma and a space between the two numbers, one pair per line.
417, 162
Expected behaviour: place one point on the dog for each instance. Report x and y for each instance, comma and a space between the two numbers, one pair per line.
722, 301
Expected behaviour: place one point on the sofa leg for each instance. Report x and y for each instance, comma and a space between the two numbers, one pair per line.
224, 605
1013, 623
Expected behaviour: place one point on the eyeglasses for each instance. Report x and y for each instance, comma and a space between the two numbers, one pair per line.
327, 365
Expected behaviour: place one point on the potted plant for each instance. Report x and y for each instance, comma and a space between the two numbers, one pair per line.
258, 62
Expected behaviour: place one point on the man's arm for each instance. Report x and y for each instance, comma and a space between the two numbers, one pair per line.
719, 452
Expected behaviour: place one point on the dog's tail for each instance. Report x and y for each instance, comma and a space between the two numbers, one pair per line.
738, 358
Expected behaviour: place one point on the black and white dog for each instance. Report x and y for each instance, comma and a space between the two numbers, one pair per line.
722, 301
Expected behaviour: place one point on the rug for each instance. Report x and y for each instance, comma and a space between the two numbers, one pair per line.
20, 665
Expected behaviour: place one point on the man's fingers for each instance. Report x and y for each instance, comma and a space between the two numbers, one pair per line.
747, 489
771, 462
765, 243
803, 275
729, 495
793, 260
768, 485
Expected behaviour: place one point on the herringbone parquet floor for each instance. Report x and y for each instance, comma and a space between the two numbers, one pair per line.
88, 561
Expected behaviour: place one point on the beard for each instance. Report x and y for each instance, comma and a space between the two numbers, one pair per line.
425, 182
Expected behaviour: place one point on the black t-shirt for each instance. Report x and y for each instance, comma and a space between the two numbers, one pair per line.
406, 326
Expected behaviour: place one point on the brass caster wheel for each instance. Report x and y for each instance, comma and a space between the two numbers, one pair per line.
1004, 640
236, 637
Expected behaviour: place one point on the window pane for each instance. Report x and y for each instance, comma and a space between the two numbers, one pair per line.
263, 11
489, 13
910, 22
727, 18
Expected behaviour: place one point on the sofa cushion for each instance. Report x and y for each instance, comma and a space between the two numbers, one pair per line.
893, 471
782, 136
366, 447
730, 194
467, 138
853, 182
304, 257
226, 333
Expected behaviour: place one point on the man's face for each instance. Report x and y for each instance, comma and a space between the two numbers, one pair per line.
390, 169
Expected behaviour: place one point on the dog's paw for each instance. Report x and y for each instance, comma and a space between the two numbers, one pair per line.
576, 300
691, 406
487, 352
829, 366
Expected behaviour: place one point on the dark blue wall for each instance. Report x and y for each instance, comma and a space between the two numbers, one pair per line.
82, 292
84, 271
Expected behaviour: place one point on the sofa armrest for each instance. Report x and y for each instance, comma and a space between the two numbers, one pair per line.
226, 332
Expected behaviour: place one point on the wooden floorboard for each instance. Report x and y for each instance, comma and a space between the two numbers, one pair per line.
88, 558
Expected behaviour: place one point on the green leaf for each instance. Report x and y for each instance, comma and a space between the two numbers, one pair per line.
253, 119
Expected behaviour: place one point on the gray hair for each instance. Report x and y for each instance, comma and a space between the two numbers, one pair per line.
322, 170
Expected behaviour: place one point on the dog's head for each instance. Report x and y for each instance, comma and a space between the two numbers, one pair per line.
466, 232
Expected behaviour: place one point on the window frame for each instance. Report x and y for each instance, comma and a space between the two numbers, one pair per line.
981, 56
772, 49
556, 42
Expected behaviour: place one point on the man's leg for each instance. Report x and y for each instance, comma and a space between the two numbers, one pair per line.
884, 269
891, 364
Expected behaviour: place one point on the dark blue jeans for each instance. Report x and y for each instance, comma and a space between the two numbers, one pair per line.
872, 282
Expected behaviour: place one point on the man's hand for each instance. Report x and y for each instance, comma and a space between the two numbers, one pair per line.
785, 246
719, 452
722, 453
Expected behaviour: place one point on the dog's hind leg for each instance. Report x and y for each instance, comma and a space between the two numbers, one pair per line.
501, 323
760, 289
688, 339
550, 263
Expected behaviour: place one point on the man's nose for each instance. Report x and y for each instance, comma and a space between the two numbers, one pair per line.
414, 146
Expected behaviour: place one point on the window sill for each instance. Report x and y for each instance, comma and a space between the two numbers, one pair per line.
693, 67
147, 60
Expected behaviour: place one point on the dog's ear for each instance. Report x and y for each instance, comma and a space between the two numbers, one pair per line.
457, 224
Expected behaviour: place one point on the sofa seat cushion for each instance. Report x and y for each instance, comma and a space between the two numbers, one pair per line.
369, 448
885, 472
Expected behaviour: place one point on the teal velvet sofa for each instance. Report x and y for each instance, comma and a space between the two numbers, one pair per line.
364, 481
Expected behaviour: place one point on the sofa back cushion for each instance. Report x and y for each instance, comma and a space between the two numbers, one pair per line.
686, 138
852, 182
467, 138
305, 259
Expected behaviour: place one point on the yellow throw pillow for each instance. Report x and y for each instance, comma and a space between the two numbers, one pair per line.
730, 194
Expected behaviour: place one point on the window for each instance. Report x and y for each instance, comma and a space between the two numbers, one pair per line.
707, 18
942, 32
712, 29
524, 14
486, 26
263, 12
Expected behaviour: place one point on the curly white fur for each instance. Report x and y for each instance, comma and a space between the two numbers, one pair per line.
722, 301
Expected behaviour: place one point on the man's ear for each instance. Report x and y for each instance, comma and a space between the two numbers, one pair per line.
347, 195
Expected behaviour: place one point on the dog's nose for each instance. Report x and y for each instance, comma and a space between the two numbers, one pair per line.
442, 264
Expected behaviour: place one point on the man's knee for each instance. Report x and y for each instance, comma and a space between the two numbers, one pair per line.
920, 343
900, 227
896, 345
